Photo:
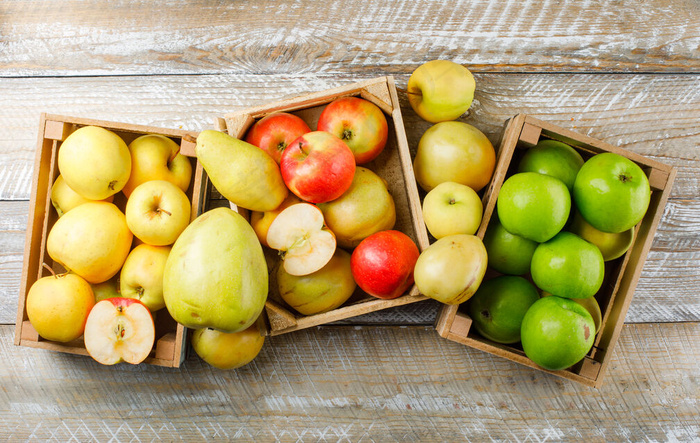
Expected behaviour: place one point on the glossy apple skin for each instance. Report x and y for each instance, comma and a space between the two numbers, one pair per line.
274, 132
611, 192
227, 350
441, 90
359, 123
568, 266
382, 264
318, 167
452, 208
508, 253
553, 158
556, 332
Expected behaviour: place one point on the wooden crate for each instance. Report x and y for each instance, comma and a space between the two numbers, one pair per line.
394, 165
622, 274
169, 349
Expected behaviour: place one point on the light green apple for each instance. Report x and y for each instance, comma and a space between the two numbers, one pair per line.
452, 208
441, 90
552, 157
611, 192
611, 245
591, 305
533, 205
141, 276
106, 289
508, 253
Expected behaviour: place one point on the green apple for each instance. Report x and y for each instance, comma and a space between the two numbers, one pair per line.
157, 211
92, 240
454, 151
227, 350
156, 157
63, 198
556, 333
611, 245
452, 208
216, 275
441, 90
320, 291
533, 205
499, 305
508, 253
591, 305
106, 289
94, 162
552, 157
365, 208
611, 192
451, 269
141, 276
568, 266
58, 306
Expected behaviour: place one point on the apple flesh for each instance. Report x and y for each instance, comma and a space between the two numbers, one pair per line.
157, 212
261, 221
452, 208
274, 132
382, 264
441, 90
228, 350
119, 330
317, 167
299, 233
359, 123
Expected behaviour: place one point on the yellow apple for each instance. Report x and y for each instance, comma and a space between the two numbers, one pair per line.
260, 221
365, 208
227, 350
63, 198
611, 245
142, 275
452, 208
58, 306
91, 240
157, 212
441, 90
94, 162
106, 289
156, 157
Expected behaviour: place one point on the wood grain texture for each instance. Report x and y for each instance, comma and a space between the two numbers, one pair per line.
44, 38
357, 384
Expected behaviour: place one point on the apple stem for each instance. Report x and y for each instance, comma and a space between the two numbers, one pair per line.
407, 92
50, 269
163, 210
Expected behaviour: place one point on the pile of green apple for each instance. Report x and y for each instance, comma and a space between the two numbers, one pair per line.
559, 218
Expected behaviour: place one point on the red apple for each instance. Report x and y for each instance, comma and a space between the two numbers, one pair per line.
274, 132
318, 167
119, 329
359, 123
382, 264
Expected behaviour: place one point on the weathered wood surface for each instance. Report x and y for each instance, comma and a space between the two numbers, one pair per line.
44, 38
357, 384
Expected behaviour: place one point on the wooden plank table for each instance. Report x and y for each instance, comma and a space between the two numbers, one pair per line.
627, 73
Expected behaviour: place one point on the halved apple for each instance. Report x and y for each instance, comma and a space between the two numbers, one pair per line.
119, 329
299, 233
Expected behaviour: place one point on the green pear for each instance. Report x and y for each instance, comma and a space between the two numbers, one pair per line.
92, 240
245, 174
216, 274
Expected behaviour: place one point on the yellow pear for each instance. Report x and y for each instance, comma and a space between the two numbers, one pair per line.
245, 174
92, 240
94, 162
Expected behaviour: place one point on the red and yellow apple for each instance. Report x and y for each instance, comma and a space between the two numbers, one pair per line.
274, 132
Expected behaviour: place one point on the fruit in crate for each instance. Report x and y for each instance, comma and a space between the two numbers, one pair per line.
227, 350
119, 330
611, 192
261, 221
94, 162
63, 198
499, 305
274, 132
141, 276
452, 208
454, 151
568, 266
157, 212
58, 305
508, 253
553, 158
441, 90
556, 332
611, 245
300, 235
534, 206
317, 167
92, 240
320, 291
156, 157
590, 304
243, 173
216, 274
382, 264
365, 208
106, 289
359, 123
451, 269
